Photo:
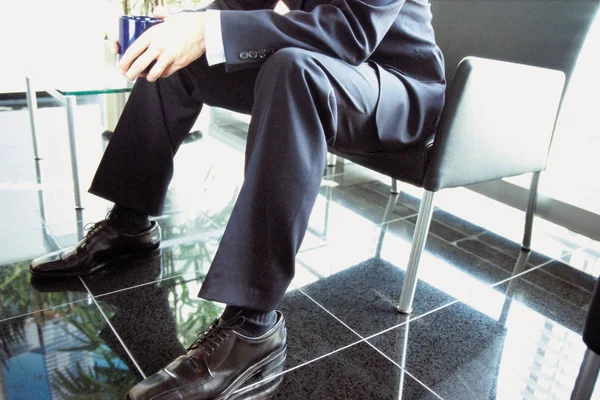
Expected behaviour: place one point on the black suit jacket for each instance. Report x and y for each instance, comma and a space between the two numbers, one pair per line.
396, 36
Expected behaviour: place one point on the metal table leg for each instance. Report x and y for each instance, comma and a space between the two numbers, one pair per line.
32, 106
71, 103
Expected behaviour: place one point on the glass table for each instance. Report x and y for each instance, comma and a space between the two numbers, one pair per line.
66, 85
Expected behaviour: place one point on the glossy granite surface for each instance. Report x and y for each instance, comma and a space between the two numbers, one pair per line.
489, 322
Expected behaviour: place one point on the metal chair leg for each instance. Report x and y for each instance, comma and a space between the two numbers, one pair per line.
394, 188
418, 244
530, 213
588, 374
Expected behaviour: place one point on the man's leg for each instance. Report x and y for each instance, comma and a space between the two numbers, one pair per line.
304, 102
137, 166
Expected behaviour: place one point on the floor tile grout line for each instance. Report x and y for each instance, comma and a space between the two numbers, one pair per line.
390, 328
507, 253
399, 219
90, 294
142, 285
386, 330
533, 268
484, 230
569, 253
453, 244
430, 232
317, 247
45, 309
515, 276
550, 258
406, 371
470, 237
330, 313
487, 286
270, 378
493, 264
537, 267
491, 286
310, 269
441, 307
458, 230
182, 275
444, 306
373, 346
117, 335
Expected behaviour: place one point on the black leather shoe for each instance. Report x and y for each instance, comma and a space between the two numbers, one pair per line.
101, 247
216, 364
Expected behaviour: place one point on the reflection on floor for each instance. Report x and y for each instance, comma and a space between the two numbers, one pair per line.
490, 322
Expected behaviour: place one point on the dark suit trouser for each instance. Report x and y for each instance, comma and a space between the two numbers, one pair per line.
301, 102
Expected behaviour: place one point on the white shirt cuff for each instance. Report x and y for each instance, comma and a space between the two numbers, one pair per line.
215, 51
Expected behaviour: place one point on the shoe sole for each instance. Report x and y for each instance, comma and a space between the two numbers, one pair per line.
268, 382
131, 259
264, 367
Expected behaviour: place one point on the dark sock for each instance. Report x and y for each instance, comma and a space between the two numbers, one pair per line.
127, 220
256, 323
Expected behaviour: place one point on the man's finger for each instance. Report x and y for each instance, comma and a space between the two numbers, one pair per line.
140, 64
170, 70
162, 64
139, 46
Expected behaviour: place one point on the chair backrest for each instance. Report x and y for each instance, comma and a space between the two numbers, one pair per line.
544, 33
541, 33
499, 117
497, 122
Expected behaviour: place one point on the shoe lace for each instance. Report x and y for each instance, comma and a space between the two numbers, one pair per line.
215, 334
93, 228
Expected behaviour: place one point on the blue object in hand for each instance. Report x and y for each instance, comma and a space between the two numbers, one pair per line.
131, 27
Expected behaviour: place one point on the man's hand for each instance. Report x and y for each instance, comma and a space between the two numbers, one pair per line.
174, 44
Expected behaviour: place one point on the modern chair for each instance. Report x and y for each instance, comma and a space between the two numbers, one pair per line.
502, 101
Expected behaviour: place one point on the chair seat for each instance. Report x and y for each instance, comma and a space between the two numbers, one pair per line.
406, 165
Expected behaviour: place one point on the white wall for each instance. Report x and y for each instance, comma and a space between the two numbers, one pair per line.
49, 33
53, 33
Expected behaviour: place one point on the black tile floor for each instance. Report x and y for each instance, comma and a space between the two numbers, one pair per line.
482, 327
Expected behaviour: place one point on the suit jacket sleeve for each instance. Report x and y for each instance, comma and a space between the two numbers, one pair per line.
349, 30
